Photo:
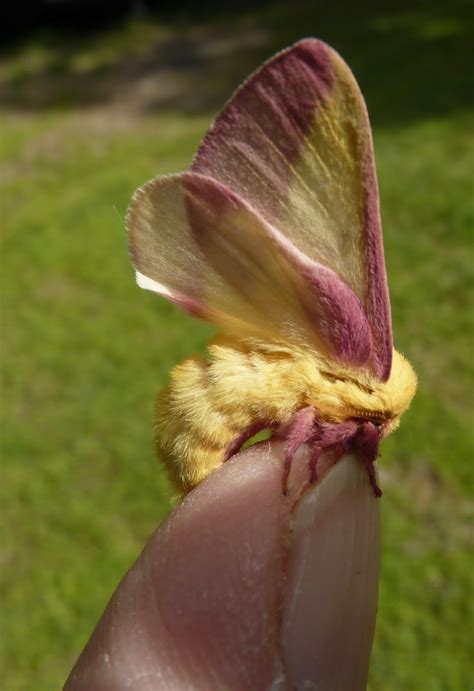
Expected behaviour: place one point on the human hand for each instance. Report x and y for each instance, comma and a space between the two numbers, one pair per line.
242, 589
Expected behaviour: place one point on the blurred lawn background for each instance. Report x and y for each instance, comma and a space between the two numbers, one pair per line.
87, 115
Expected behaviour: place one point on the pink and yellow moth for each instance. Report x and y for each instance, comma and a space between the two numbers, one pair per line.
274, 235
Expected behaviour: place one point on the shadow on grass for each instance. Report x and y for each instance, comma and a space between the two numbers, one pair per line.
410, 58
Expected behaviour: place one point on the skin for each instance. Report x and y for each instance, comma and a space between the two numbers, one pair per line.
223, 595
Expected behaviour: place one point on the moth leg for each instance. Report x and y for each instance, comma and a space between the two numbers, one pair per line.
367, 443
313, 462
244, 436
369, 466
296, 432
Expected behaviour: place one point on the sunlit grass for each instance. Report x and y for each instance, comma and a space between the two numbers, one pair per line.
84, 352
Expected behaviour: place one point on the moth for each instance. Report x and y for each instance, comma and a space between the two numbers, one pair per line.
274, 235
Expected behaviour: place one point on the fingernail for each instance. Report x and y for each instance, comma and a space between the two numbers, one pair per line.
330, 602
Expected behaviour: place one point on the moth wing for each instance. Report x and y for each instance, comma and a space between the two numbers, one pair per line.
295, 141
202, 246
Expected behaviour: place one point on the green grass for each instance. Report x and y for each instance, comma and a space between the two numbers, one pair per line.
84, 351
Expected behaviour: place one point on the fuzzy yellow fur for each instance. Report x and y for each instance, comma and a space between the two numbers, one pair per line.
208, 403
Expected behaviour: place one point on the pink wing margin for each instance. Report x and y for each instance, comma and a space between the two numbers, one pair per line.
295, 142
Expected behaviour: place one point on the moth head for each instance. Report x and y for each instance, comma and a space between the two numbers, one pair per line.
356, 394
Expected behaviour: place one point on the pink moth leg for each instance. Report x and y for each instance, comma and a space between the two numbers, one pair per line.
296, 432
367, 443
313, 462
244, 436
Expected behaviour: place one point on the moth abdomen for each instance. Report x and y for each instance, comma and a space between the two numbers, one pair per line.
192, 433
205, 412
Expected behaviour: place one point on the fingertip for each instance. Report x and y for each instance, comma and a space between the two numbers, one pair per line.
241, 588
200, 607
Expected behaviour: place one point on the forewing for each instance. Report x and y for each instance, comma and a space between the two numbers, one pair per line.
295, 141
202, 246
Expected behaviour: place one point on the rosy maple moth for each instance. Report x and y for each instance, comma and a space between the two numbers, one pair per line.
274, 235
